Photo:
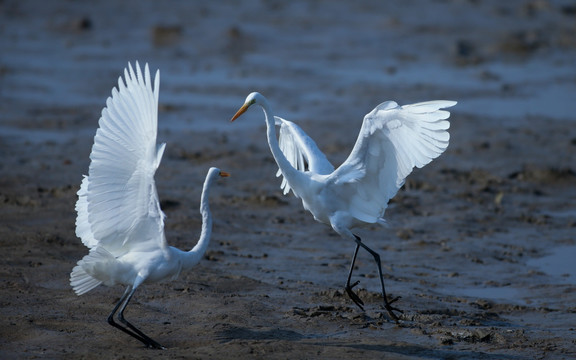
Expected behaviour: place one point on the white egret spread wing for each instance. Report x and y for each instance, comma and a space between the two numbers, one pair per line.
118, 203
392, 141
301, 151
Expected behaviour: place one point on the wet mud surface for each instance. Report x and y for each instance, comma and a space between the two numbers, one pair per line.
477, 240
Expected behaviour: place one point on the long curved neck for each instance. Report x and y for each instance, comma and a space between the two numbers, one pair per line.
194, 256
289, 172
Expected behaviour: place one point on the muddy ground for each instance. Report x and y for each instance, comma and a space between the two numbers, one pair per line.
468, 235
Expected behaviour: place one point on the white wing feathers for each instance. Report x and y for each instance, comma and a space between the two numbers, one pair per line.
83, 230
301, 151
392, 141
418, 133
118, 202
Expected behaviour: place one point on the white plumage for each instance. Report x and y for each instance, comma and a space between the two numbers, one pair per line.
392, 141
119, 216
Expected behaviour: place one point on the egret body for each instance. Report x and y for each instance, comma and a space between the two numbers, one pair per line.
393, 140
119, 216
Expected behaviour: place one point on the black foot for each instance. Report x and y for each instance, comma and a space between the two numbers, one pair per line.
151, 344
354, 296
388, 306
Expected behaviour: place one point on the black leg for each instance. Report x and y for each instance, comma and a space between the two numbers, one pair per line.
116, 325
387, 303
149, 342
349, 287
135, 333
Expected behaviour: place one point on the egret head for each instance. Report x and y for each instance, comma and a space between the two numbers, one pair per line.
253, 98
215, 172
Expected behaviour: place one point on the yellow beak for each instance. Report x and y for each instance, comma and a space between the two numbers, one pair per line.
240, 111
224, 174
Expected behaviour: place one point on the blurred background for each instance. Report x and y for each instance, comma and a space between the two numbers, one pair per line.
315, 60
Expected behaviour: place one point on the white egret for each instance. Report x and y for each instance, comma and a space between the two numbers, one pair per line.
392, 141
119, 215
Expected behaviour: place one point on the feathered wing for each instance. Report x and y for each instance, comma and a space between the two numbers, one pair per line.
83, 229
118, 202
393, 140
301, 151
